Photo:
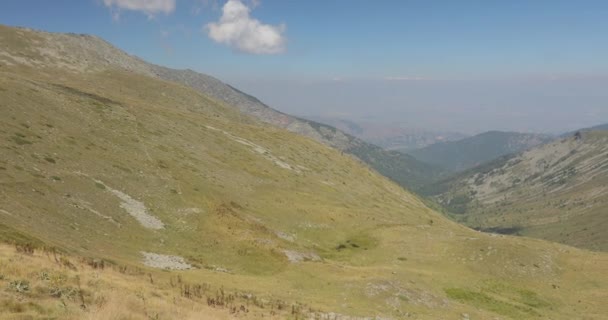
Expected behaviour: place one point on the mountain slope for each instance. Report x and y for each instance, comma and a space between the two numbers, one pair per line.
598, 127
391, 136
470, 152
401, 168
78, 53
555, 192
105, 164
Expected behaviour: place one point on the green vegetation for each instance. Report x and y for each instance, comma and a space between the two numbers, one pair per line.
516, 310
401, 168
473, 151
553, 192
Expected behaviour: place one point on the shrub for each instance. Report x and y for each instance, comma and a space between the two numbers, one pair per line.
26, 248
19, 286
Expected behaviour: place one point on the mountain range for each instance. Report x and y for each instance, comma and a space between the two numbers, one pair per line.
131, 191
556, 191
390, 136
472, 151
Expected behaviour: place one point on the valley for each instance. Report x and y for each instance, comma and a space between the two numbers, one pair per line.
206, 203
467, 153
555, 191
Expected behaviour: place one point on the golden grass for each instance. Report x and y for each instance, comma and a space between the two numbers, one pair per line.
54, 286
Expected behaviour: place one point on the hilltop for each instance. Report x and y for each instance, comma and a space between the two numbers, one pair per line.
472, 151
556, 191
105, 163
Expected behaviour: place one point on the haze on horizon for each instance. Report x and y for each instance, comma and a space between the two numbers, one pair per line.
444, 65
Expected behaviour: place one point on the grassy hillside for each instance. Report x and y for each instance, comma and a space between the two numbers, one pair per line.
104, 164
555, 192
402, 168
599, 127
473, 151
45, 284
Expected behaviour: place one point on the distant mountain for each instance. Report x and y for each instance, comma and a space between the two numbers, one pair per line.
470, 152
556, 191
390, 136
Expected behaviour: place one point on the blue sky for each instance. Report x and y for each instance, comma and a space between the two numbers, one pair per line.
498, 63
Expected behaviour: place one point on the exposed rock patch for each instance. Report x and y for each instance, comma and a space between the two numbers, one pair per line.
136, 209
296, 257
162, 261
286, 236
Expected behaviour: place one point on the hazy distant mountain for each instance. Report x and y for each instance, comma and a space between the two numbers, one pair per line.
389, 135
556, 191
470, 152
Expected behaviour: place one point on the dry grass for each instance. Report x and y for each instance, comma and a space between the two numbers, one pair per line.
47, 285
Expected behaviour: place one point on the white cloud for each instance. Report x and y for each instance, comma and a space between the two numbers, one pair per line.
238, 30
149, 7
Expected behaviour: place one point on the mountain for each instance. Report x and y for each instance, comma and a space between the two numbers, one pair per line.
126, 196
401, 168
556, 192
470, 152
390, 136
92, 53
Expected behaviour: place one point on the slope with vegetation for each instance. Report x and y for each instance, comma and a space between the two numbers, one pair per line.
599, 127
473, 151
45, 284
103, 165
555, 192
401, 168
388, 135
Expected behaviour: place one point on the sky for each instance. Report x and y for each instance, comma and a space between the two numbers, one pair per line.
467, 66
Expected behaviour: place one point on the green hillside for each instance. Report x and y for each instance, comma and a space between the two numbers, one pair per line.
402, 168
473, 151
555, 192
195, 205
